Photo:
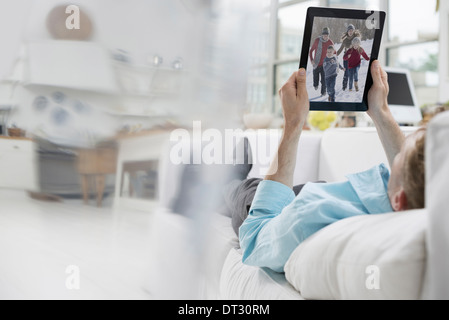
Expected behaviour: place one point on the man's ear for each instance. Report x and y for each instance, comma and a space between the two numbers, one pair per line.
399, 202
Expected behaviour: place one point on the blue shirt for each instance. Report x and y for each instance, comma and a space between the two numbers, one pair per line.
330, 66
278, 221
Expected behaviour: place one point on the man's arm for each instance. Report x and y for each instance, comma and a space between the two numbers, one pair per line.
390, 134
295, 105
265, 237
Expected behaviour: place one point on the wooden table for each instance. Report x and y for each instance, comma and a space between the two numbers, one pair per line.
96, 163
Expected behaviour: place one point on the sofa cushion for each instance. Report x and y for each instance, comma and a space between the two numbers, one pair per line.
364, 257
243, 282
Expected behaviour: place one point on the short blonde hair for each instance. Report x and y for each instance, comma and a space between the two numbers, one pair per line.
414, 173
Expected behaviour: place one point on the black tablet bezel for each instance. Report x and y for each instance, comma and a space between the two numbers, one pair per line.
313, 12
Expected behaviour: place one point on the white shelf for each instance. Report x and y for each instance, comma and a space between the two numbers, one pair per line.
144, 68
137, 115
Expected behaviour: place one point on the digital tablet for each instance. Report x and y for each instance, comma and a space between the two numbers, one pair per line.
339, 46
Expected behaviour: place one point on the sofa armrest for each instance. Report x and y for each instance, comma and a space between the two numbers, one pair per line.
437, 185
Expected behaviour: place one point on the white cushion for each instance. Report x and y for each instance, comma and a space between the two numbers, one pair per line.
364, 257
437, 180
243, 282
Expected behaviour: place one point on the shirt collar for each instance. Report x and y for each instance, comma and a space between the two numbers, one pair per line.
371, 187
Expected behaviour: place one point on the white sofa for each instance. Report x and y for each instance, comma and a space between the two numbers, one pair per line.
368, 257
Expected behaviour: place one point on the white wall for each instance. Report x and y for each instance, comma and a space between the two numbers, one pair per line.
444, 51
141, 27
211, 37
13, 17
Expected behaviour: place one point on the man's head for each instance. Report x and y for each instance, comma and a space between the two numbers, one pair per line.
406, 188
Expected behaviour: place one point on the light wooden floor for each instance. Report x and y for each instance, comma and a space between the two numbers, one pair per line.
40, 240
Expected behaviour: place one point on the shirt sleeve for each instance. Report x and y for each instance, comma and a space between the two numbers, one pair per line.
340, 50
256, 234
314, 47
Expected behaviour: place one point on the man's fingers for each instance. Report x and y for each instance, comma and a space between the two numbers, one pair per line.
297, 81
376, 72
384, 76
301, 81
290, 84
380, 76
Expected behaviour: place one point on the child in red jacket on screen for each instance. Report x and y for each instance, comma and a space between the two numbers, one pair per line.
353, 56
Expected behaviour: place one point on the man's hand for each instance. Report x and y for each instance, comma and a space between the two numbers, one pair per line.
295, 100
378, 94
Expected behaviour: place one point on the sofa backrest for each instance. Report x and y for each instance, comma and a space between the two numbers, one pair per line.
264, 144
352, 150
307, 160
327, 156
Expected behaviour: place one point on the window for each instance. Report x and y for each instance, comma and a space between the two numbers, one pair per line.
410, 41
277, 48
290, 23
354, 4
257, 97
413, 44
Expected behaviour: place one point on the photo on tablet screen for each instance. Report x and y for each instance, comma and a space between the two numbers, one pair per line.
338, 59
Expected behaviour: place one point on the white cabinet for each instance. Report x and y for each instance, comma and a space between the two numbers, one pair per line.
18, 164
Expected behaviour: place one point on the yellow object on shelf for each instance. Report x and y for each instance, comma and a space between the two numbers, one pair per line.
322, 120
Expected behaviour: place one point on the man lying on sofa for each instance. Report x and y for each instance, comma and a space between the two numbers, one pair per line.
282, 216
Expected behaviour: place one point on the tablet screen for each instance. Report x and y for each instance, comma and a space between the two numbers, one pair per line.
338, 59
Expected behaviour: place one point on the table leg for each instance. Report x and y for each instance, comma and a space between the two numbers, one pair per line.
85, 187
100, 188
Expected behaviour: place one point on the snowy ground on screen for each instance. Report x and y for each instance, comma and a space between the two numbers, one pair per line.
340, 95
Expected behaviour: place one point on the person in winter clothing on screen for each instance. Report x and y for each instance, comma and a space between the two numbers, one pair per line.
353, 56
331, 66
346, 39
317, 55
